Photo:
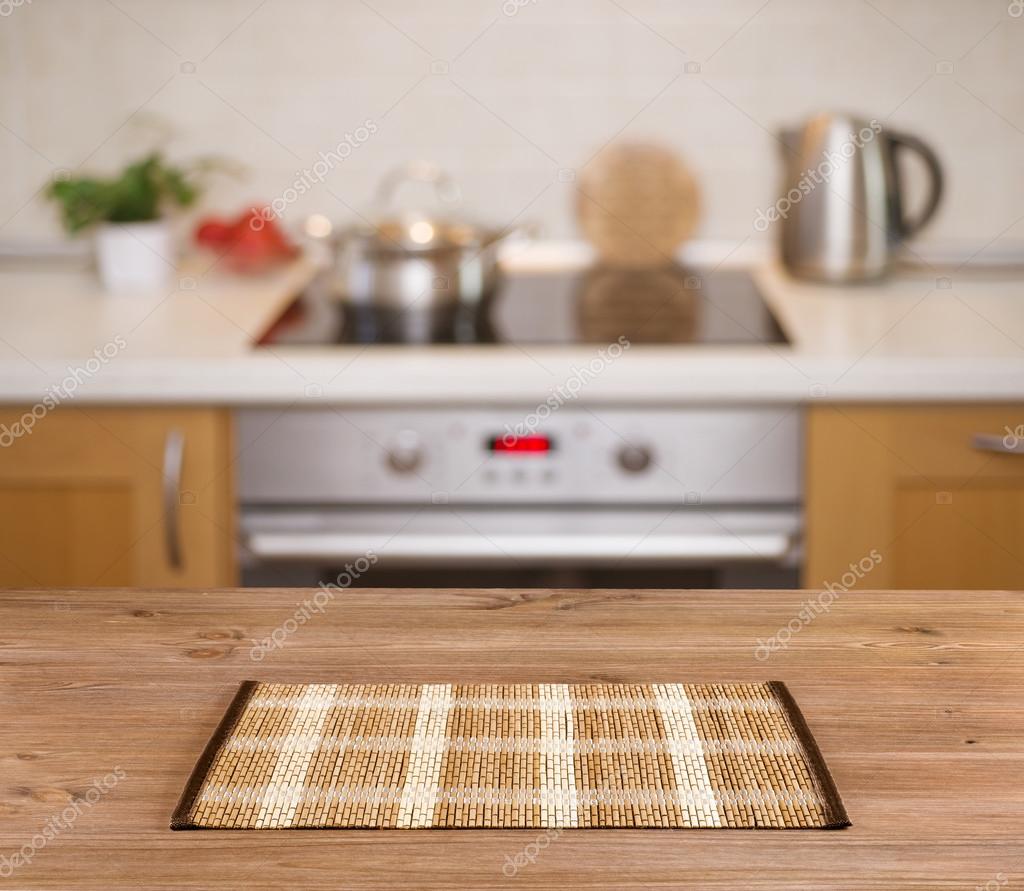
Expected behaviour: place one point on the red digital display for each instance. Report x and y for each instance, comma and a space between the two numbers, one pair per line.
534, 444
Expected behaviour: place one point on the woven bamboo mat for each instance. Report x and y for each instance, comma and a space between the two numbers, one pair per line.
528, 756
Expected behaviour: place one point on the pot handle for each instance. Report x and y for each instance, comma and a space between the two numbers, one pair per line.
525, 231
446, 189
901, 141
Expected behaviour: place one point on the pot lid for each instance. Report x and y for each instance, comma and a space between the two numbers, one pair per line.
416, 229
422, 233
413, 229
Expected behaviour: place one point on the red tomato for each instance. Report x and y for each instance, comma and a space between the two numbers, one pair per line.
252, 242
212, 232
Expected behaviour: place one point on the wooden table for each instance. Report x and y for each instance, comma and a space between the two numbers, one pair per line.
917, 701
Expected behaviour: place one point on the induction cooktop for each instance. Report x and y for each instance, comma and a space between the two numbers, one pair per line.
667, 305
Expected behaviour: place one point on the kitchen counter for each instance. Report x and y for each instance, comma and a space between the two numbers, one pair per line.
914, 698
924, 335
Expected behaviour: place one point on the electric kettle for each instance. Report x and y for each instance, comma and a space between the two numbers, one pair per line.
843, 211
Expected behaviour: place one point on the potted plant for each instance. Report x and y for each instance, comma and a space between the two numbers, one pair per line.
134, 248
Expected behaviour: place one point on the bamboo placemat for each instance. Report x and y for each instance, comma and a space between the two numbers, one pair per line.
513, 756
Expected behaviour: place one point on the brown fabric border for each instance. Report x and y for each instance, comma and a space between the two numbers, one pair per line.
180, 817
820, 774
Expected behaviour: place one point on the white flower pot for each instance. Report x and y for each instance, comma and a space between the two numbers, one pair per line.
135, 257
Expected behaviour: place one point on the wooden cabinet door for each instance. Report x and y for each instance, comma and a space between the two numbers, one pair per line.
116, 497
912, 482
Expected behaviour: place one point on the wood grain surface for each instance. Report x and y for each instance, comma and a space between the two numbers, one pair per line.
914, 697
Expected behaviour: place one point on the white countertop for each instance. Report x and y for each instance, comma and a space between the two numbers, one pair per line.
927, 335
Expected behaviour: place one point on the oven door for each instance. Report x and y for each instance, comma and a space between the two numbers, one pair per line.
439, 545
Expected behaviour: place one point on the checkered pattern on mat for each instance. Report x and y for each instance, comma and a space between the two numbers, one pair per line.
514, 756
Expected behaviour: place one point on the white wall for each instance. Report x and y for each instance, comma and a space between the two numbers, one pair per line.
82, 83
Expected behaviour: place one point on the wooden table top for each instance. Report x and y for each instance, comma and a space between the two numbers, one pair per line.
916, 699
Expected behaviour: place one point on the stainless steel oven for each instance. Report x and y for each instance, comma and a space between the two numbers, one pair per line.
593, 496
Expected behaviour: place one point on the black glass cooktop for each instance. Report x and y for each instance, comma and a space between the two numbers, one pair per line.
598, 305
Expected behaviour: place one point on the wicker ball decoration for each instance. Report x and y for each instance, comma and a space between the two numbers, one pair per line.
637, 203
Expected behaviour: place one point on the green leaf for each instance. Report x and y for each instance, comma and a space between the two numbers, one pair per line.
141, 193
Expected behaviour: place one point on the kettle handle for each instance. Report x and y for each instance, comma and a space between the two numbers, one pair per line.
901, 141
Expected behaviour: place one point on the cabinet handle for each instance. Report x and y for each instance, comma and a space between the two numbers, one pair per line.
1009, 444
174, 453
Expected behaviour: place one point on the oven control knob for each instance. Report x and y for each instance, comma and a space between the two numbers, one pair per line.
634, 458
406, 453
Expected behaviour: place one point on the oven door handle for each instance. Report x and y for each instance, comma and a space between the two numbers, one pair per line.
426, 549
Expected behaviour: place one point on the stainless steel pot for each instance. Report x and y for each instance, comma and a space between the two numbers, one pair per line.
415, 260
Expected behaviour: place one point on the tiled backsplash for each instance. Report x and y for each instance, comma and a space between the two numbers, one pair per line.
512, 96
